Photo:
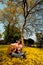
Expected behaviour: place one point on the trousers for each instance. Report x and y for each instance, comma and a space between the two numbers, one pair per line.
19, 55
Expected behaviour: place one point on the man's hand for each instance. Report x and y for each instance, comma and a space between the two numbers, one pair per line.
14, 50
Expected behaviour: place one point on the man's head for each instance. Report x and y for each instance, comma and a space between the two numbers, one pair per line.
19, 41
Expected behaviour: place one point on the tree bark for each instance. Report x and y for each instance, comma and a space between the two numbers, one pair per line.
22, 39
25, 10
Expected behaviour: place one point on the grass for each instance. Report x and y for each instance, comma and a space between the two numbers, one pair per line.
34, 56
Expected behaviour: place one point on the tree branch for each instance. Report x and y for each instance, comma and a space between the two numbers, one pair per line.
33, 7
26, 7
37, 10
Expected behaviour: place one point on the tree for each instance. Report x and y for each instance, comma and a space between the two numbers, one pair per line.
0, 35
41, 42
39, 35
26, 12
39, 39
11, 33
26, 7
1, 15
11, 36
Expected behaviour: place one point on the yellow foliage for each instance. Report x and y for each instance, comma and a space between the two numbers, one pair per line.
30, 3
34, 56
20, 9
1, 14
11, 11
9, 3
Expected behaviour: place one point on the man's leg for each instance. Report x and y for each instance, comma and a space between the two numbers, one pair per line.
20, 55
15, 54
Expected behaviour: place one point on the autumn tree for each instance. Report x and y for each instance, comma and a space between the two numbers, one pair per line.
0, 35
28, 7
1, 15
25, 7
11, 33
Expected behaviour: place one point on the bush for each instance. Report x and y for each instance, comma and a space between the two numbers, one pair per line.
28, 42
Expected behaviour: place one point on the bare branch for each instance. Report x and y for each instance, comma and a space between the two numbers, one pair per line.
37, 10
33, 7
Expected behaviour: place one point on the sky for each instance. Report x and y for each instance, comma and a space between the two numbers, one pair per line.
1, 28
2, 6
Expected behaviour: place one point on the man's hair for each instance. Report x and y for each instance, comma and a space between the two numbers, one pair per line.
19, 40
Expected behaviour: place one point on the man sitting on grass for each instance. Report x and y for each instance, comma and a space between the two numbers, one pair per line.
15, 49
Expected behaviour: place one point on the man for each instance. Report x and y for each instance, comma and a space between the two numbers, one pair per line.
15, 49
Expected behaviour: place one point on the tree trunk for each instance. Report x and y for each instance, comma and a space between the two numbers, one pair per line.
22, 38
25, 7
